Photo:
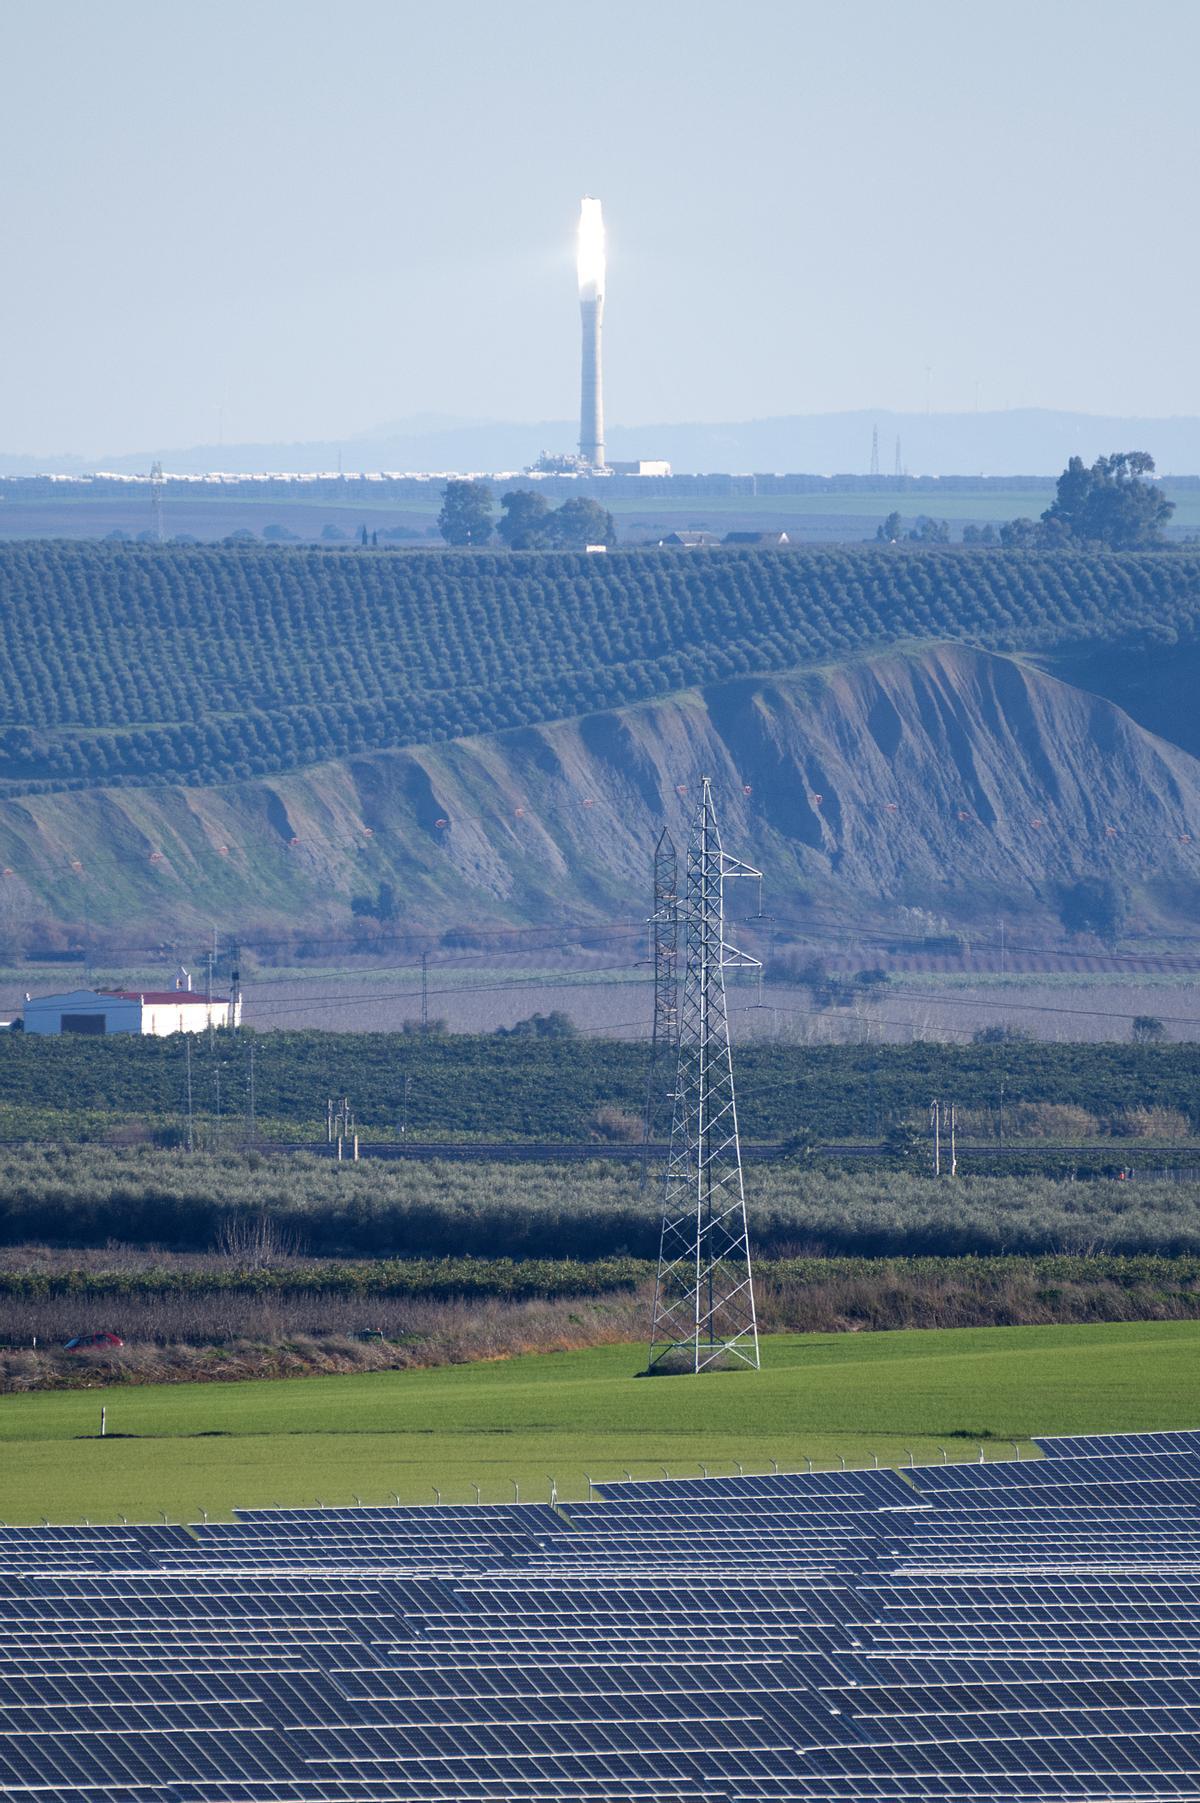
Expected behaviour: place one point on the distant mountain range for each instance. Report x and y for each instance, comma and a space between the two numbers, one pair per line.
1020, 442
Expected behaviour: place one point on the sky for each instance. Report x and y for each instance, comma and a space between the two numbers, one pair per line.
281, 220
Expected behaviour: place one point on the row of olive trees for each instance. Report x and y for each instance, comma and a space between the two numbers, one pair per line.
90, 1196
106, 685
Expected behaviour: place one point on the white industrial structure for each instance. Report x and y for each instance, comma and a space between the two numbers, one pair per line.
154, 1011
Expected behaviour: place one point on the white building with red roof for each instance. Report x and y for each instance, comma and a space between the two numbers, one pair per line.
156, 1011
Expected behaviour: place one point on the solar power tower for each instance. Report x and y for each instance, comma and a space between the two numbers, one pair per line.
704, 1298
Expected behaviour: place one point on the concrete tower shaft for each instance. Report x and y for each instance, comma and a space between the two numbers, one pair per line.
591, 270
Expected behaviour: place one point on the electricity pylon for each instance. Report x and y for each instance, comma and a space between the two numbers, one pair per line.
664, 953
704, 1297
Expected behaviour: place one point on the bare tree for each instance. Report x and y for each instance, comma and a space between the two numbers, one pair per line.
255, 1240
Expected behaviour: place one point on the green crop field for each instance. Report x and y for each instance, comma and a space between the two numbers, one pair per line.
181, 1449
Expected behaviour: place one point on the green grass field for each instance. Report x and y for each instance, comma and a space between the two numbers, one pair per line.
194, 1447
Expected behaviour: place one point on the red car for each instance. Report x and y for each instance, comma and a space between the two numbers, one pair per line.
85, 1341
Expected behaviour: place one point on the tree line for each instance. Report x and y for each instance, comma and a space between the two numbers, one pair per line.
198, 664
518, 1087
527, 521
91, 1196
1111, 504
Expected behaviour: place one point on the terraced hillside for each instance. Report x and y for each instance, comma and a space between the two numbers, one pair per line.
196, 664
920, 776
198, 733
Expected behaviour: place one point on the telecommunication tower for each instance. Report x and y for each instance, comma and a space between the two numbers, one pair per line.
704, 1298
664, 954
874, 450
899, 465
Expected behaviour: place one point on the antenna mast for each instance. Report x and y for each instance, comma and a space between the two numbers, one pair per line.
664, 952
704, 1299
874, 450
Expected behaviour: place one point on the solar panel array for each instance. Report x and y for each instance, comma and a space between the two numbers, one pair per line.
1009, 1630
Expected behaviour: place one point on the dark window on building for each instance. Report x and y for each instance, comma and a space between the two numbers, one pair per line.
84, 1023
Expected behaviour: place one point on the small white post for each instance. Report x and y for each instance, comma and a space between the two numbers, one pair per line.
103, 1422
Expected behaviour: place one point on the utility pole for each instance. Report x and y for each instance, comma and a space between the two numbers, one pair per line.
343, 1123
424, 992
664, 957
235, 991
191, 1137
704, 1299
253, 1112
935, 1122
953, 1140
404, 1116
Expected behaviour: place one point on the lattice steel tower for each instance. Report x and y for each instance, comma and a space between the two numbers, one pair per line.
704, 1298
664, 956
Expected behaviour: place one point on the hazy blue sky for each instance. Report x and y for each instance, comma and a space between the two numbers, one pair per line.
307, 220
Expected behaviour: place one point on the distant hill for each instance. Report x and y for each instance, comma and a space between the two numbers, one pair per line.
257, 735
1013, 442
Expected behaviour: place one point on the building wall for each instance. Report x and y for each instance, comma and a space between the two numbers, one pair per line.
122, 1014
44, 1013
161, 1018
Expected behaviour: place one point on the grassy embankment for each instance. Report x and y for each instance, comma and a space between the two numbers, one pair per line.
567, 1415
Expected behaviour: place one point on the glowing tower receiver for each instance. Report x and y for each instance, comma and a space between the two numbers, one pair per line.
590, 266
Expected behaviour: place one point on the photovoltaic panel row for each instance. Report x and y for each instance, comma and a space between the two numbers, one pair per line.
883, 1486
218, 1683
1110, 1469
1069, 1446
